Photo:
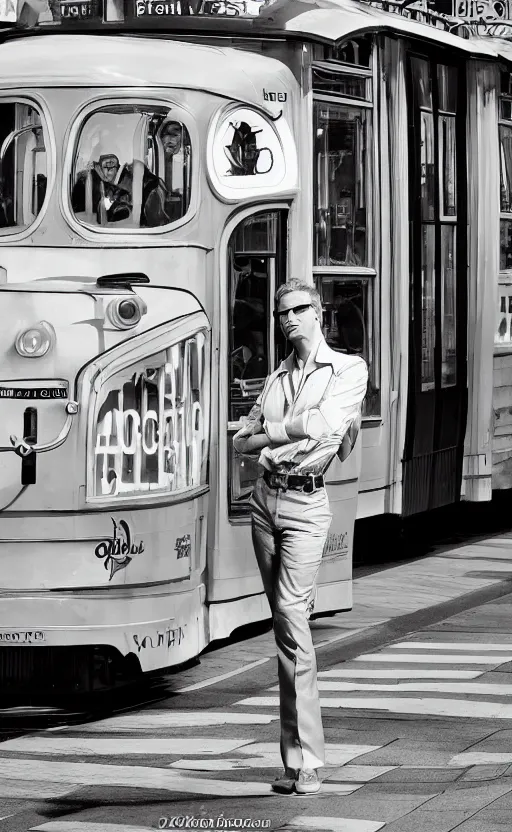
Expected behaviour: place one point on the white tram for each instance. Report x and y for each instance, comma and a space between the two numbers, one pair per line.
163, 168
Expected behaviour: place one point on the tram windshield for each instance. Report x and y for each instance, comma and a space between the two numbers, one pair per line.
131, 168
23, 165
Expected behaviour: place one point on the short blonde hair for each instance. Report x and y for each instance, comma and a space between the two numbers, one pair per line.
295, 285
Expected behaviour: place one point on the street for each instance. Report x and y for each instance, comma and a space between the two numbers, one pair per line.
417, 728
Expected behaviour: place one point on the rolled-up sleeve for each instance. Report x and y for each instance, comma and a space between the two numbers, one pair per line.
334, 415
253, 424
276, 432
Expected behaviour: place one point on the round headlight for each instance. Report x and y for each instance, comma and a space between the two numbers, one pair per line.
35, 341
126, 313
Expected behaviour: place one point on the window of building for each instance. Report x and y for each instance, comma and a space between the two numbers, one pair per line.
23, 165
131, 168
256, 267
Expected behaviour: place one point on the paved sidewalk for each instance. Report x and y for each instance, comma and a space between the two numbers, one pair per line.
379, 598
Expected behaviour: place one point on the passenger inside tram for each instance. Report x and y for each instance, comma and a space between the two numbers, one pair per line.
112, 192
148, 193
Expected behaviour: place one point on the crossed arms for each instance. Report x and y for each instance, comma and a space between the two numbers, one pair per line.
331, 417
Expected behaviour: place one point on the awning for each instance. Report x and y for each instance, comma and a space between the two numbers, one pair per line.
334, 20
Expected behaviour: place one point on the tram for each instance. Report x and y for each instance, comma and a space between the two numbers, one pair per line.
163, 168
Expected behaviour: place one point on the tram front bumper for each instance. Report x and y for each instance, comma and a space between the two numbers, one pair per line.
157, 627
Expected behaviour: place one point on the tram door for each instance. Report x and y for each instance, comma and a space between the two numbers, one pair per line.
437, 404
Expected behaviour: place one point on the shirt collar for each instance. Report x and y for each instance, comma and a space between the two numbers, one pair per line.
319, 355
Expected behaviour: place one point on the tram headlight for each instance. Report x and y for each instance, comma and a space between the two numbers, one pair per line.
35, 341
125, 313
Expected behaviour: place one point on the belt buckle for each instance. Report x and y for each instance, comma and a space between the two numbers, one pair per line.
280, 481
311, 478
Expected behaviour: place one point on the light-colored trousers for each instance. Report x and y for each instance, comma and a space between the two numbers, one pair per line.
289, 529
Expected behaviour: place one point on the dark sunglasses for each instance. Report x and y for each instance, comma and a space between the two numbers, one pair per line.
297, 310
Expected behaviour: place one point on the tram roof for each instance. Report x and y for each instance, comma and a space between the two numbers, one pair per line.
327, 21
124, 61
334, 21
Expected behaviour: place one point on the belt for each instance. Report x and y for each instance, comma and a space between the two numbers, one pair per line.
296, 482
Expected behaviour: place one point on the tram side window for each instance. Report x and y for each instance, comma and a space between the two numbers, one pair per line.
340, 173
348, 325
503, 332
506, 197
23, 166
131, 168
254, 271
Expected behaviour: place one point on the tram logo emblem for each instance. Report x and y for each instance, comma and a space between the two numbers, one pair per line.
243, 152
183, 547
117, 551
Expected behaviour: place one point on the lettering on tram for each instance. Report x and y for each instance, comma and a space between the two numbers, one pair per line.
183, 547
170, 637
336, 543
22, 638
33, 393
483, 10
274, 96
116, 550
205, 8
77, 11
150, 429
131, 168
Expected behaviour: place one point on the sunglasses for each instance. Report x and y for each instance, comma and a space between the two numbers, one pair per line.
297, 310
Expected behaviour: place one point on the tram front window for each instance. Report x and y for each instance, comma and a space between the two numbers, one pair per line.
131, 168
23, 166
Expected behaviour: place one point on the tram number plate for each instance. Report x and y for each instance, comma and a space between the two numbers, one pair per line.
33, 392
28, 637
77, 11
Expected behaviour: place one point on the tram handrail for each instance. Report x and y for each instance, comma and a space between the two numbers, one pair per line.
24, 449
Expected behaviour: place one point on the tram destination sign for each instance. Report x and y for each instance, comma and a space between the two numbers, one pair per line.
9, 392
202, 8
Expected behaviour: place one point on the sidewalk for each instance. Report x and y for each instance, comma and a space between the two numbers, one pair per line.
380, 598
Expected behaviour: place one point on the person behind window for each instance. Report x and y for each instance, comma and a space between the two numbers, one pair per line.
171, 136
176, 167
109, 187
97, 191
